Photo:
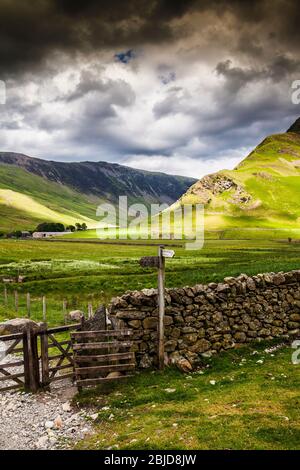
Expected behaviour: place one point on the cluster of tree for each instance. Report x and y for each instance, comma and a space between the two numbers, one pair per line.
50, 227
57, 227
77, 227
45, 227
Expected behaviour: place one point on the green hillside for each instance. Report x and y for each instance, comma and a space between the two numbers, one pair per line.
262, 192
33, 190
27, 199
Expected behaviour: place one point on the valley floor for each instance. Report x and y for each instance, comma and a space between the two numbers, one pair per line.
91, 272
243, 399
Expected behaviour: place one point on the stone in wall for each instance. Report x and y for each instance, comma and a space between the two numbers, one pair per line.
205, 319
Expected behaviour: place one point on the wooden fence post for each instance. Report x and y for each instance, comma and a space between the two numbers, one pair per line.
5, 296
28, 304
65, 310
31, 360
16, 301
90, 310
161, 308
45, 382
44, 308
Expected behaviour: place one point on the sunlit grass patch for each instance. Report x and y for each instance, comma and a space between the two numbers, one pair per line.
226, 405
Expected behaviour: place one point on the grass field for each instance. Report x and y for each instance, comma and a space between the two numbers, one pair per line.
241, 233
83, 272
242, 399
234, 402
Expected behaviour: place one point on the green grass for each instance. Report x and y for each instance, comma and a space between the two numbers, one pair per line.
251, 406
246, 231
83, 272
27, 199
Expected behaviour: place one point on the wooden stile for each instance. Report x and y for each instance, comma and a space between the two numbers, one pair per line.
93, 369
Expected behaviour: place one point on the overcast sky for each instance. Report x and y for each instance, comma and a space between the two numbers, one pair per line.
185, 87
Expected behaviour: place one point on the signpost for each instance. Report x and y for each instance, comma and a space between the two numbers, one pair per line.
159, 262
161, 308
167, 253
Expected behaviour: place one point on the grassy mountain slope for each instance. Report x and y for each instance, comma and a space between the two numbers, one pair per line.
26, 200
103, 180
34, 190
263, 191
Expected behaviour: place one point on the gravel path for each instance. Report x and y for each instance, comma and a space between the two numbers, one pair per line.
43, 420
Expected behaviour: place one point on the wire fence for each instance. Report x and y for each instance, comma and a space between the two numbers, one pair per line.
15, 303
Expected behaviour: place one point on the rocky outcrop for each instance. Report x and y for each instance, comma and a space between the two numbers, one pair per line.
205, 319
211, 185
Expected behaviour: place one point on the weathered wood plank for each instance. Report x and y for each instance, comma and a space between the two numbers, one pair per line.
12, 347
57, 368
11, 387
102, 345
94, 334
17, 350
57, 356
107, 368
104, 357
31, 361
61, 329
65, 352
62, 358
11, 337
54, 344
44, 356
8, 365
12, 377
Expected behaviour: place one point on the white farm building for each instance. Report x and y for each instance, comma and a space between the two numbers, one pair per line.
48, 234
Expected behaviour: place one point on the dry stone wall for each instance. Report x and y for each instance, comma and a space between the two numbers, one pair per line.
205, 319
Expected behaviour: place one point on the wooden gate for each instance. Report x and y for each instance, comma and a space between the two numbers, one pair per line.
12, 373
42, 356
31, 365
54, 339
99, 353
22, 371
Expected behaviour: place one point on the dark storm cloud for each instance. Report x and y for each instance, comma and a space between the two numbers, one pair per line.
116, 92
96, 79
237, 77
280, 67
32, 29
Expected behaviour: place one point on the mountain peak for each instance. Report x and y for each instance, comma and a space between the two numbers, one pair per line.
295, 127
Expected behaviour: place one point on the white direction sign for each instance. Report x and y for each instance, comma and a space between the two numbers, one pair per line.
168, 253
